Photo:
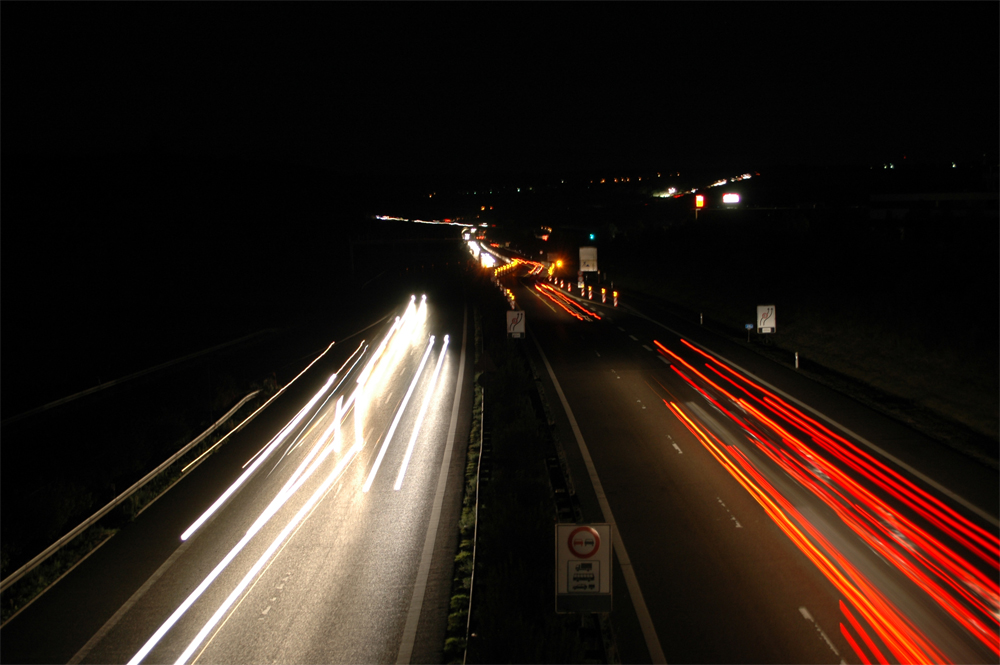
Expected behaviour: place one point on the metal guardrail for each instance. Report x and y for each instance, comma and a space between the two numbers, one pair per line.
90, 521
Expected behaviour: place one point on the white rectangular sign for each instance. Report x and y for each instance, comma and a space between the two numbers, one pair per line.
588, 259
583, 567
766, 321
515, 323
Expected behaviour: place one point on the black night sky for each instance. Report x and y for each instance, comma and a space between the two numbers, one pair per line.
157, 156
447, 89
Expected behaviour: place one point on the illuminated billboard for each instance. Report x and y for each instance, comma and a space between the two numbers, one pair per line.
730, 198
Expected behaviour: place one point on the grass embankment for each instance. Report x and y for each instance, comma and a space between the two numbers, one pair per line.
69, 504
912, 315
514, 619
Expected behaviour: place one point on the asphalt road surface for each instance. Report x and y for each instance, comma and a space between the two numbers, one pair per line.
334, 545
766, 518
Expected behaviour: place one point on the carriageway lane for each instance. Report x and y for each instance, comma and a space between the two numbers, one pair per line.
716, 592
352, 562
732, 595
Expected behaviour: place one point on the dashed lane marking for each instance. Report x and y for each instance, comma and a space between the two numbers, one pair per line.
805, 613
631, 581
731, 516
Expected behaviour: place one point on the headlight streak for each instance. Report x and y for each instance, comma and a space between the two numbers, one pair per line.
420, 416
272, 548
302, 432
298, 478
361, 347
399, 414
275, 505
381, 349
246, 474
960, 588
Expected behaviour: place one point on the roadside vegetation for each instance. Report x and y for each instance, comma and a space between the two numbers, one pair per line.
61, 504
513, 615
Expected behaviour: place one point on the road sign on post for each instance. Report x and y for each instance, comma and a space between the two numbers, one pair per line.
588, 259
583, 568
515, 323
766, 321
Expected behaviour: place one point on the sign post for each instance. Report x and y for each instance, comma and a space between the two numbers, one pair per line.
583, 568
515, 323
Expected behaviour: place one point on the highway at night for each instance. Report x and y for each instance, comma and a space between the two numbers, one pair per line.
766, 519
308, 357
322, 544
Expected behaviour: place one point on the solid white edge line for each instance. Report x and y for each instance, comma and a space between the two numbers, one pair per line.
892, 458
638, 602
424, 569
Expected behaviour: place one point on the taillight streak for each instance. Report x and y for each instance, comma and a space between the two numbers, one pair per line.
967, 594
556, 301
569, 300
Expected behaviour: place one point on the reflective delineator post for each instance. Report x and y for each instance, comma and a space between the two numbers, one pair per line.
604, 295
796, 360
590, 292
701, 318
615, 294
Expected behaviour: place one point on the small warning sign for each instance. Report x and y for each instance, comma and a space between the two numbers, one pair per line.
766, 321
515, 323
583, 567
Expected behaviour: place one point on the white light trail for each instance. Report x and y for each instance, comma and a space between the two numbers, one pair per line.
336, 421
420, 417
397, 324
246, 474
399, 414
262, 561
361, 347
333, 392
258, 524
398, 347
287, 491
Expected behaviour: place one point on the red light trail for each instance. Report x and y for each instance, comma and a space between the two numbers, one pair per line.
950, 558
